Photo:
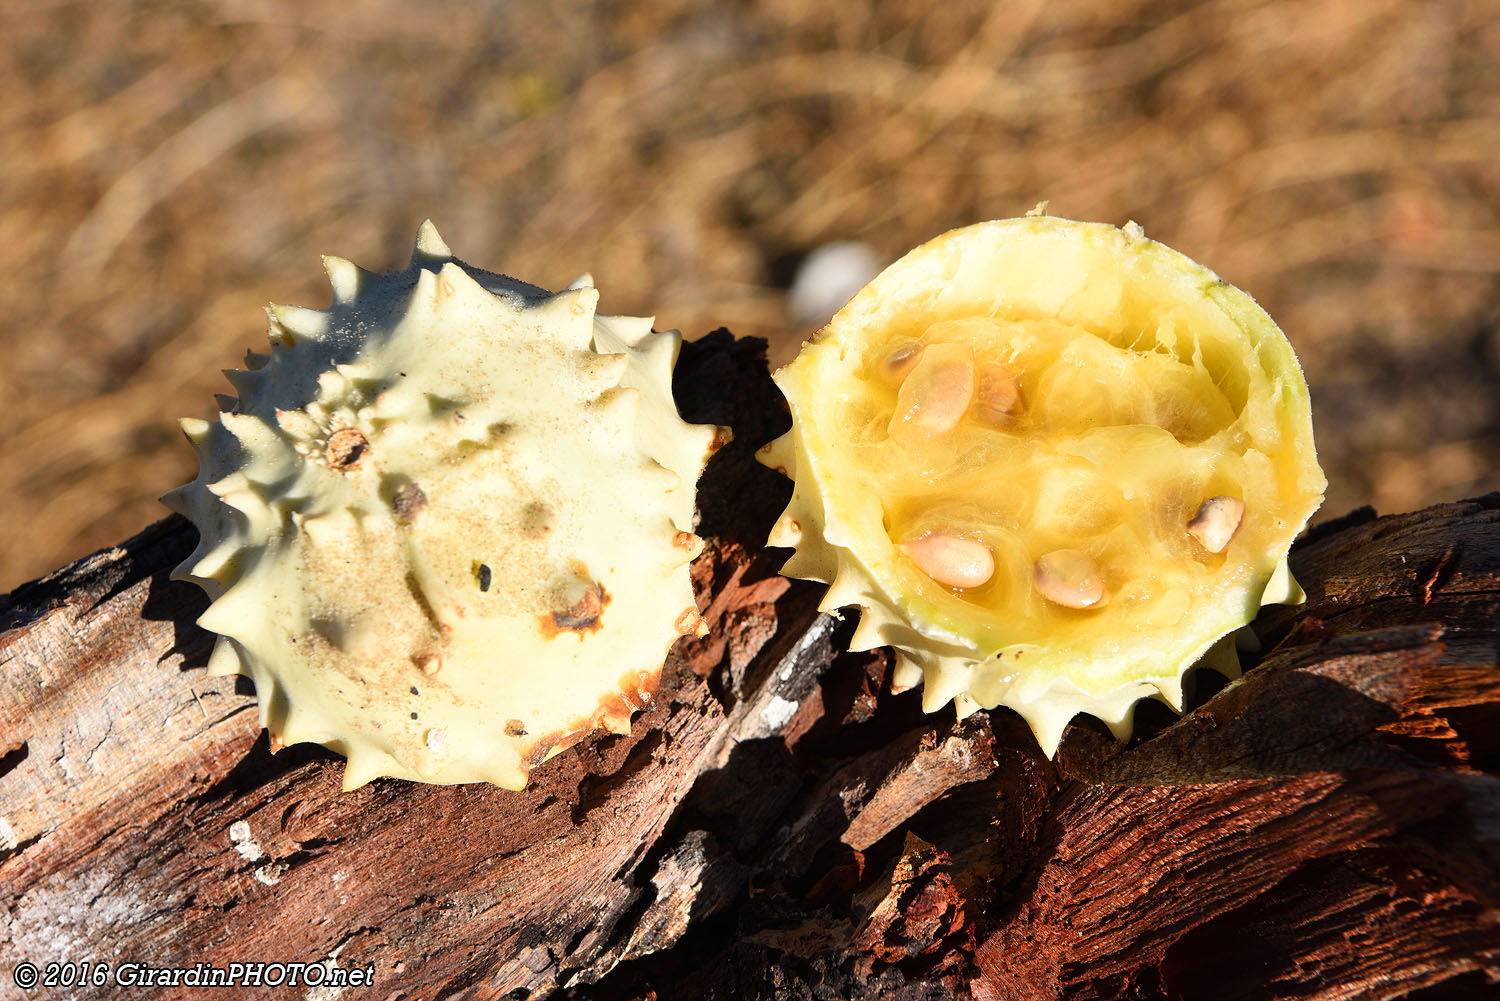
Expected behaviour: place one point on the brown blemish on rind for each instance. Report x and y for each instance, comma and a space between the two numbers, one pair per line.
690, 623
515, 728
346, 447
642, 684
408, 502
545, 745
635, 691
583, 616
722, 436
684, 540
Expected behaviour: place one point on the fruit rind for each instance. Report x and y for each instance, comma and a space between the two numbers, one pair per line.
445, 524
1080, 274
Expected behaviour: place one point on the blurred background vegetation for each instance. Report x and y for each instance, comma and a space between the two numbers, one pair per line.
169, 167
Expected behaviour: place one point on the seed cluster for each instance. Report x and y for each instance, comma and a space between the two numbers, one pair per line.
1053, 464
938, 385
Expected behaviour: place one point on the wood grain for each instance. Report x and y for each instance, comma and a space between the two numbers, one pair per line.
777, 824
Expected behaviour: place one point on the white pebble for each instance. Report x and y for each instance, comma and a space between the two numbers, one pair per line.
827, 278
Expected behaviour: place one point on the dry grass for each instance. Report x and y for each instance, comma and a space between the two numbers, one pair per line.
169, 167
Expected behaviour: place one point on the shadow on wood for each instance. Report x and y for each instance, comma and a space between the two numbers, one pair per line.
778, 824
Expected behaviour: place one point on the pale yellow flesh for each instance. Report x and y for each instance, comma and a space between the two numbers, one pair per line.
1113, 453
1146, 386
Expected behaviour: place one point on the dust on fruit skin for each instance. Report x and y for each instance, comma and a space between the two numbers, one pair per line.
398, 513
1054, 440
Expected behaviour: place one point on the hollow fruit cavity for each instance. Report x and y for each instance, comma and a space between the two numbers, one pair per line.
1123, 471
1049, 457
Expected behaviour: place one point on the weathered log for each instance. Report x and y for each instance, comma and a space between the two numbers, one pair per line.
778, 824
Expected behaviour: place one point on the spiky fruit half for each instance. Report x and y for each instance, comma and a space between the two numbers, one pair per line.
1053, 463
446, 523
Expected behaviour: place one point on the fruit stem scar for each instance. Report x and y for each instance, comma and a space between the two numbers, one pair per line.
345, 448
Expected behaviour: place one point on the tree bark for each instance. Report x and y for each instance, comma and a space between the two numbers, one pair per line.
777, 824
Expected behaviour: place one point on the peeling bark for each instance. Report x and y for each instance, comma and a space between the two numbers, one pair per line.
777, 824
